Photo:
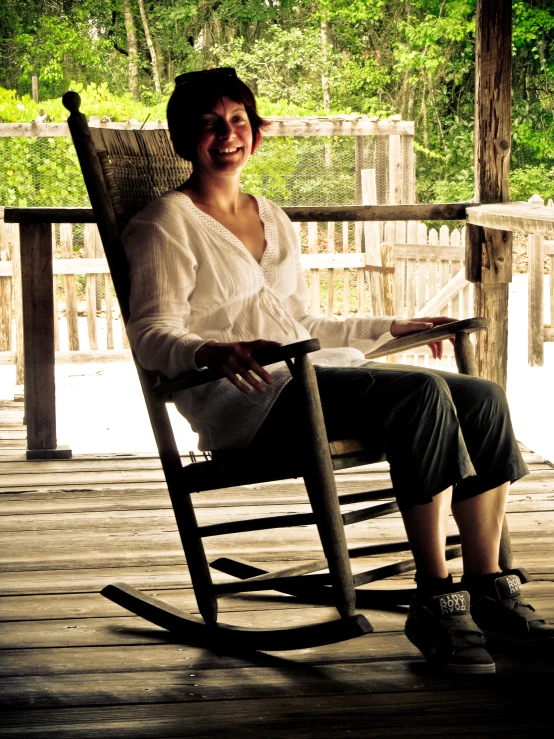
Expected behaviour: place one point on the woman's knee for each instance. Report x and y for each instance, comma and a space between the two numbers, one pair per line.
485, 398
430, 389
424, 395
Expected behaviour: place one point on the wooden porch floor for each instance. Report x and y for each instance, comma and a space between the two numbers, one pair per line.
75, 665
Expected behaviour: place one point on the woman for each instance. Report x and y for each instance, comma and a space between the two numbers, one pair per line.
215, 274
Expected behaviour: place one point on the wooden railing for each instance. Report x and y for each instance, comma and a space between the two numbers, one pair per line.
416, 279
37, 274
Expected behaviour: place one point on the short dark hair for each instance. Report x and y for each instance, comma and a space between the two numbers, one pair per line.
196, 94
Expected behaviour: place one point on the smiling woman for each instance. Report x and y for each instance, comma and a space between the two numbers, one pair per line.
216, 274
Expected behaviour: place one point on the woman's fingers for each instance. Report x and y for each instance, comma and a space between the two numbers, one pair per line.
436, 349
235, 380
234, 360
243, 366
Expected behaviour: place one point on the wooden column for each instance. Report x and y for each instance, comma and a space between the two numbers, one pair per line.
489, 252
38, 330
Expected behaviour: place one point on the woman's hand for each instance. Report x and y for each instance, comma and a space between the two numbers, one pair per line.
404, 326
235, 362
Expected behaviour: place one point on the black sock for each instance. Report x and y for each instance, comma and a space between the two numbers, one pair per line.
478, 585
427, 587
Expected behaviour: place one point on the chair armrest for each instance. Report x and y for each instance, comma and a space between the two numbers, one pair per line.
267, 355
438, 333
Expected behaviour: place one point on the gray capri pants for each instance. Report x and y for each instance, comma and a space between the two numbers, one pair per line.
436, 428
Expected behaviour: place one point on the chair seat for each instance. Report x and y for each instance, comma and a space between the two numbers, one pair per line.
238, 467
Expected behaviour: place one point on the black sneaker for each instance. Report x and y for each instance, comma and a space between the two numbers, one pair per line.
507, 619
443, 630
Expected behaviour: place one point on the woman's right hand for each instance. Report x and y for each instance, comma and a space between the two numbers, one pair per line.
234, 360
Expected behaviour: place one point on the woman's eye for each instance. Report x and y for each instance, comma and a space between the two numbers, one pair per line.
207, 123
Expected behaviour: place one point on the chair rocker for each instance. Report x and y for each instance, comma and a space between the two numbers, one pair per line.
123, 171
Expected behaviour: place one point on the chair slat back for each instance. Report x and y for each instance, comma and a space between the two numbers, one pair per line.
123, 170
138, 167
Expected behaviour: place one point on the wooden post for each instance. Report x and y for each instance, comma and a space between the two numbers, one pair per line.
372, 238
358, 164
346, 274
34, 84
408, 169
66, 242
551, 278
55, 293
330, 272
381, 166
535, 296
38, 327
109, 312
395, 170
314, 273
5, 295
90, 290
99, 253
358, 233
18, 306
489, 252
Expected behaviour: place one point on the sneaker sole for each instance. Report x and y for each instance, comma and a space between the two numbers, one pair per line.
494, 638
450, 667
467, 669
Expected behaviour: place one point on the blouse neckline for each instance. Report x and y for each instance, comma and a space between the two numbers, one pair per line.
268, 261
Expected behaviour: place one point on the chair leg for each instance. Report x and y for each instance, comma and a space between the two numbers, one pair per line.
322, 491
182, 504
465, 355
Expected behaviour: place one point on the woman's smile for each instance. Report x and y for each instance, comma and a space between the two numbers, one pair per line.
228, 150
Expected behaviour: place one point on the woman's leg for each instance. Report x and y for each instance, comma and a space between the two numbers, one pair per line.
479, 520
426, 529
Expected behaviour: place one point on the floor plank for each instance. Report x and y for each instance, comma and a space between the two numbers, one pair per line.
75, 665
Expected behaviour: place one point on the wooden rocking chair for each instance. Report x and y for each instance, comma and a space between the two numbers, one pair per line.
123, 171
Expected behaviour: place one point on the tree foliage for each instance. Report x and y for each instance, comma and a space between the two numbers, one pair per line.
377, 57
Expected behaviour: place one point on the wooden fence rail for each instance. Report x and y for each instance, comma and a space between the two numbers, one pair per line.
421, 272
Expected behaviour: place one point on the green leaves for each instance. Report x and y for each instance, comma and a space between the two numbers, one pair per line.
381, 57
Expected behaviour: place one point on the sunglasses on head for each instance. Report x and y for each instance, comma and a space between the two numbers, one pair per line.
184, 79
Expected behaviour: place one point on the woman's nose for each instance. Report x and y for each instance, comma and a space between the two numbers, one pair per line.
225, 129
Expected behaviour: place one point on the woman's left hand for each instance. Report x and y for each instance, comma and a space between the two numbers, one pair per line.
404, 326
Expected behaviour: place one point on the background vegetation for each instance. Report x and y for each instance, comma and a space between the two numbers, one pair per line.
374, 57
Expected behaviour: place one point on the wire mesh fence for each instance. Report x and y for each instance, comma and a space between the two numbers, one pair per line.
307, 168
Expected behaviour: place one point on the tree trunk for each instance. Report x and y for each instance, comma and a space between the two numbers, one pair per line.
424, 115
324, 80
325, 84
151, 49
132, 50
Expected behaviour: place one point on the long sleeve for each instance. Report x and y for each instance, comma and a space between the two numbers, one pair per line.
163, 276
364, 334
193, 281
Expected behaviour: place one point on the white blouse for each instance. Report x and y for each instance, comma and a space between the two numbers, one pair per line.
193, 281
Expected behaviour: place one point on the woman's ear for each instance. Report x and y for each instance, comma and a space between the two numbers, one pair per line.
256, 141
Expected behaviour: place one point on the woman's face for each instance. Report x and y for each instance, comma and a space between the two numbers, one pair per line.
224, 139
